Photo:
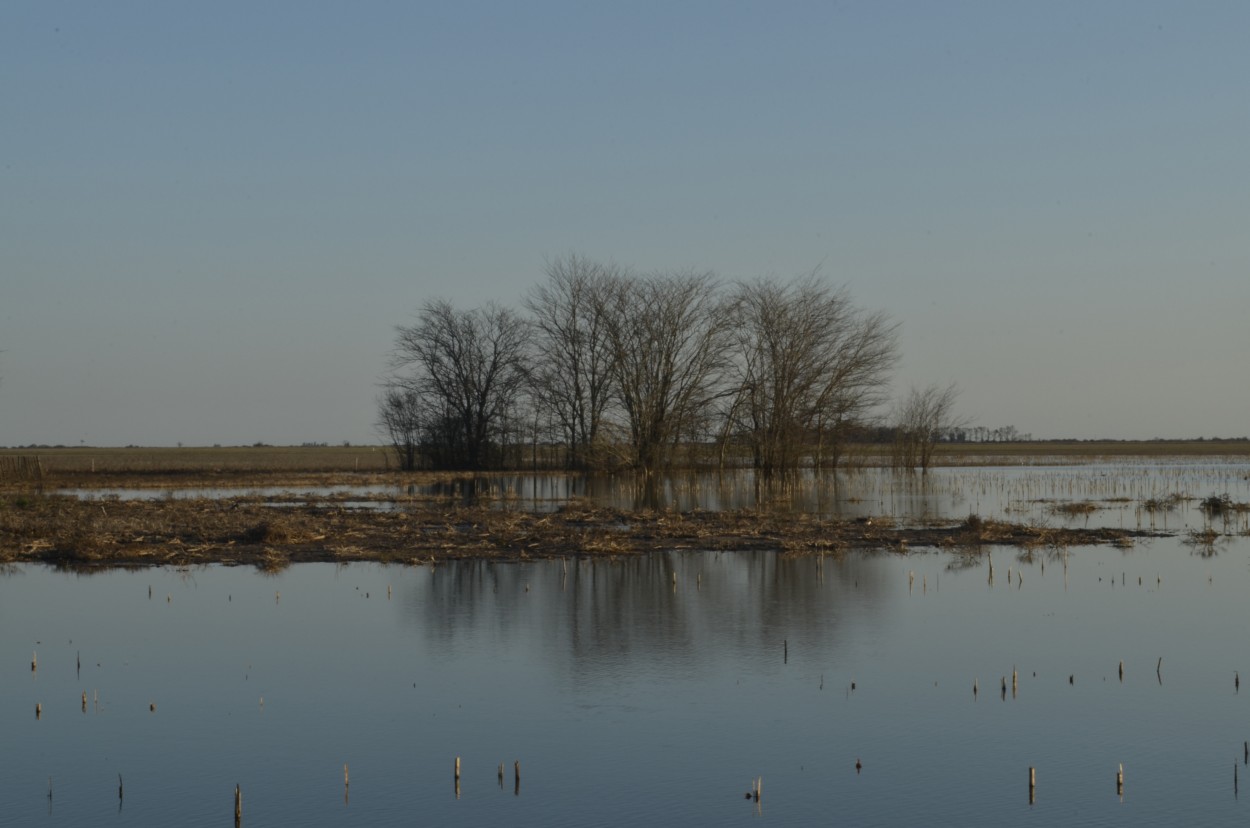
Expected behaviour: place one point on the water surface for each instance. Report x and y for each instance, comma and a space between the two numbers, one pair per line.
631, 699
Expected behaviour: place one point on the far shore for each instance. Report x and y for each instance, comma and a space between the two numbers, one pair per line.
138, 466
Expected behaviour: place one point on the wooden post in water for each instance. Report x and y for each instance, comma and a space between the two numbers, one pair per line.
38, 710
1119, 780
501, 776
516, 769
34, 661
1121, 671
1015, 681
238, 805
1032, 784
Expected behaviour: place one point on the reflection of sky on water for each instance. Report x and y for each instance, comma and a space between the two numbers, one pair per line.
630, 700
1025, 494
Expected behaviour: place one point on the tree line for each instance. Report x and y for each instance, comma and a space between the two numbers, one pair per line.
604, 368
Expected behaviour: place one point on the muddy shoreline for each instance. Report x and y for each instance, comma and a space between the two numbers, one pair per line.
65, 531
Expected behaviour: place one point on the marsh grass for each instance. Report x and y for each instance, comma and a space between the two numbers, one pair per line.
1162, 504
1222, 506
1205, 542
1075, 509
74, 532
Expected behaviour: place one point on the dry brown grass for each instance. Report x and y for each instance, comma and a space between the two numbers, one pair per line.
70, 532
212, 462
1074, 509
226, 464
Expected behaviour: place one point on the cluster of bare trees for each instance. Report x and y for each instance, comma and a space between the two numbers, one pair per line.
608, 368
923, 418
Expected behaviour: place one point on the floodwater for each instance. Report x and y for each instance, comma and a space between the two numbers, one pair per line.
630, 697
1022, 493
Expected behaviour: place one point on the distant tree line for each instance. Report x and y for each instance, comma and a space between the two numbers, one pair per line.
604, 368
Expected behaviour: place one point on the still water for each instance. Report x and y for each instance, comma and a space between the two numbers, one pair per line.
631, 699
1118, 492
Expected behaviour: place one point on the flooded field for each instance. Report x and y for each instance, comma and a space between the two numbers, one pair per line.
1144, 494
869, 687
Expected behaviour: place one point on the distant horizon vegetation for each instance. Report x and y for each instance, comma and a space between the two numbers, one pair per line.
382, 444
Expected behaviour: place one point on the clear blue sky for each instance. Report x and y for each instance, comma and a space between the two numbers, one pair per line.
213, 215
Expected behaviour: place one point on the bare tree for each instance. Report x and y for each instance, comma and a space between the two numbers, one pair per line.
806, 363
668, 337
572, 353
468, 367
921, 419
400, 420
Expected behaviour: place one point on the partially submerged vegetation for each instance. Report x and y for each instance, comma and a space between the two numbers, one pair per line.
69, 531
419, 517
1222, 506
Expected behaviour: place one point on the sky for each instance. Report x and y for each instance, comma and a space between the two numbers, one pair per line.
214, 215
